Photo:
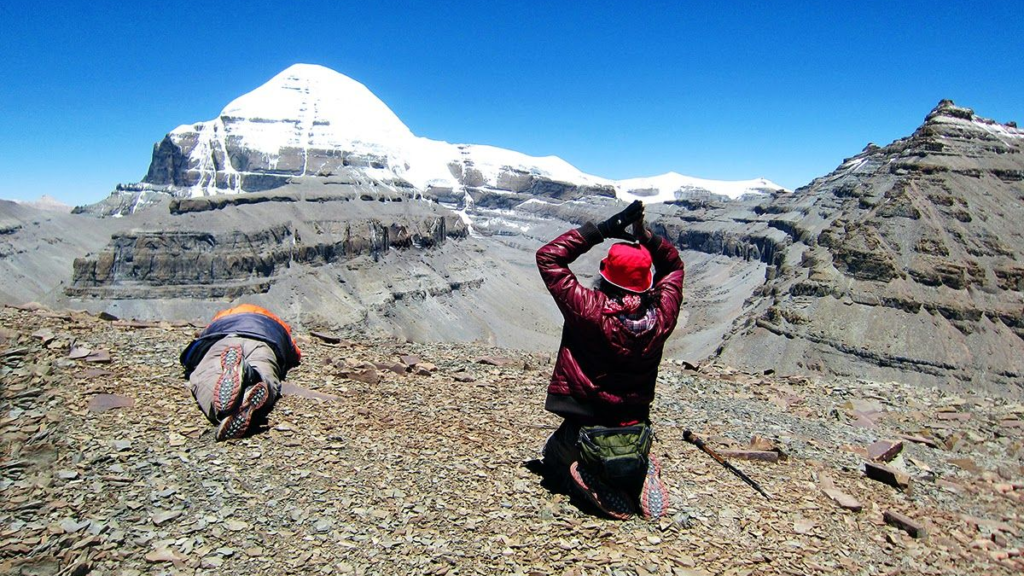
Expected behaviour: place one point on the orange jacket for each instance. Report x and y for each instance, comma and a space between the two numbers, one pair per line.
250, 321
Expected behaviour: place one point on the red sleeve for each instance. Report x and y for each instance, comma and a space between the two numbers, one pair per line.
553, 259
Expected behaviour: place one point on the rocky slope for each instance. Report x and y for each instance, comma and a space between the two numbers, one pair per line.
387, 457
905, 263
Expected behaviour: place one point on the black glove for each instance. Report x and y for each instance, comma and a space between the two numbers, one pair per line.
615, 227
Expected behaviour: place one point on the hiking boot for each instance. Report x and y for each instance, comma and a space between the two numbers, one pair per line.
610, 500
228, 388
238, 424
654, 495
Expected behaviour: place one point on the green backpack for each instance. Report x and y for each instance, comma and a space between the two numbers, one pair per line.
618, 454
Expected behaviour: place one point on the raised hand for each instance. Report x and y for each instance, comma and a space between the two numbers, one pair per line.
615, 227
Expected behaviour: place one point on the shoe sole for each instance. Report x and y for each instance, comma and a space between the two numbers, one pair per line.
229, 385
615, 503
654, 495
237, 425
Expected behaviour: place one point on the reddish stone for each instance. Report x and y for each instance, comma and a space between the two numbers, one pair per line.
885, 450
392, 367
905, 523
495, 361
887, 475
99, 357
843, 499
96, 373
965, 464
958, 416
919, 440
863, 421
103, 402
289, 389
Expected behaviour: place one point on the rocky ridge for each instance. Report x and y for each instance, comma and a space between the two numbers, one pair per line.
391, 457
904, 261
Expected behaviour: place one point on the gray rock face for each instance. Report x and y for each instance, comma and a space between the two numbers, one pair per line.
903, 263
230, 246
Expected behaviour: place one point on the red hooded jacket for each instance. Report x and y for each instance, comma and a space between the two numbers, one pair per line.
605, 373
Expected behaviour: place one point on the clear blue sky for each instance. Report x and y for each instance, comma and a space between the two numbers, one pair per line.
723, 90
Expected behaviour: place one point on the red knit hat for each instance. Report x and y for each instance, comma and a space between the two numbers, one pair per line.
628, 266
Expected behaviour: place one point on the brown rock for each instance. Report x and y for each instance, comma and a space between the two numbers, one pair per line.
103, 402
99, 357
495, 361
887, 475
395, 367
858, 450
905, 523
424, 369
919, 440
863, 421
77, 353
367, 375
289, 389
957, 416
843, 500
96, 373
884, 450
965, 464
329, 338
410, 360
163, 555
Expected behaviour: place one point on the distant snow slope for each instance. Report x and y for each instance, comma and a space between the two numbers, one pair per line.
309, 107
47, 203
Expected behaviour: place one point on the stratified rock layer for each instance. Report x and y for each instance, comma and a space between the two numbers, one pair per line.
906, 262
230, 246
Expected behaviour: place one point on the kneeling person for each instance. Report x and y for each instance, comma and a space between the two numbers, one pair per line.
607, 366
236, 365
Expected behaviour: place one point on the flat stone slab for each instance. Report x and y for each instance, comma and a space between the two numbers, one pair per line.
104, 402
289, 389
887, 475
905, 523
884, 450
844, 500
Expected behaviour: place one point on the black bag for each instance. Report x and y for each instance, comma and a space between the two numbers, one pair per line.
618, 454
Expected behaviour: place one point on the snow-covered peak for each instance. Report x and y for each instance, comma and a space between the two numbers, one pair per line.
310, 106
309, 121
670, 186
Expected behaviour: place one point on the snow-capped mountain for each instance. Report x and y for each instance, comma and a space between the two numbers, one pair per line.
310, 121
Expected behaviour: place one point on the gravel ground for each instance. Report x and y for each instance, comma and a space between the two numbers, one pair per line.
395, 458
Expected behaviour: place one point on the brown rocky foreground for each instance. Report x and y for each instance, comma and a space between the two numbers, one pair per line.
397, 458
